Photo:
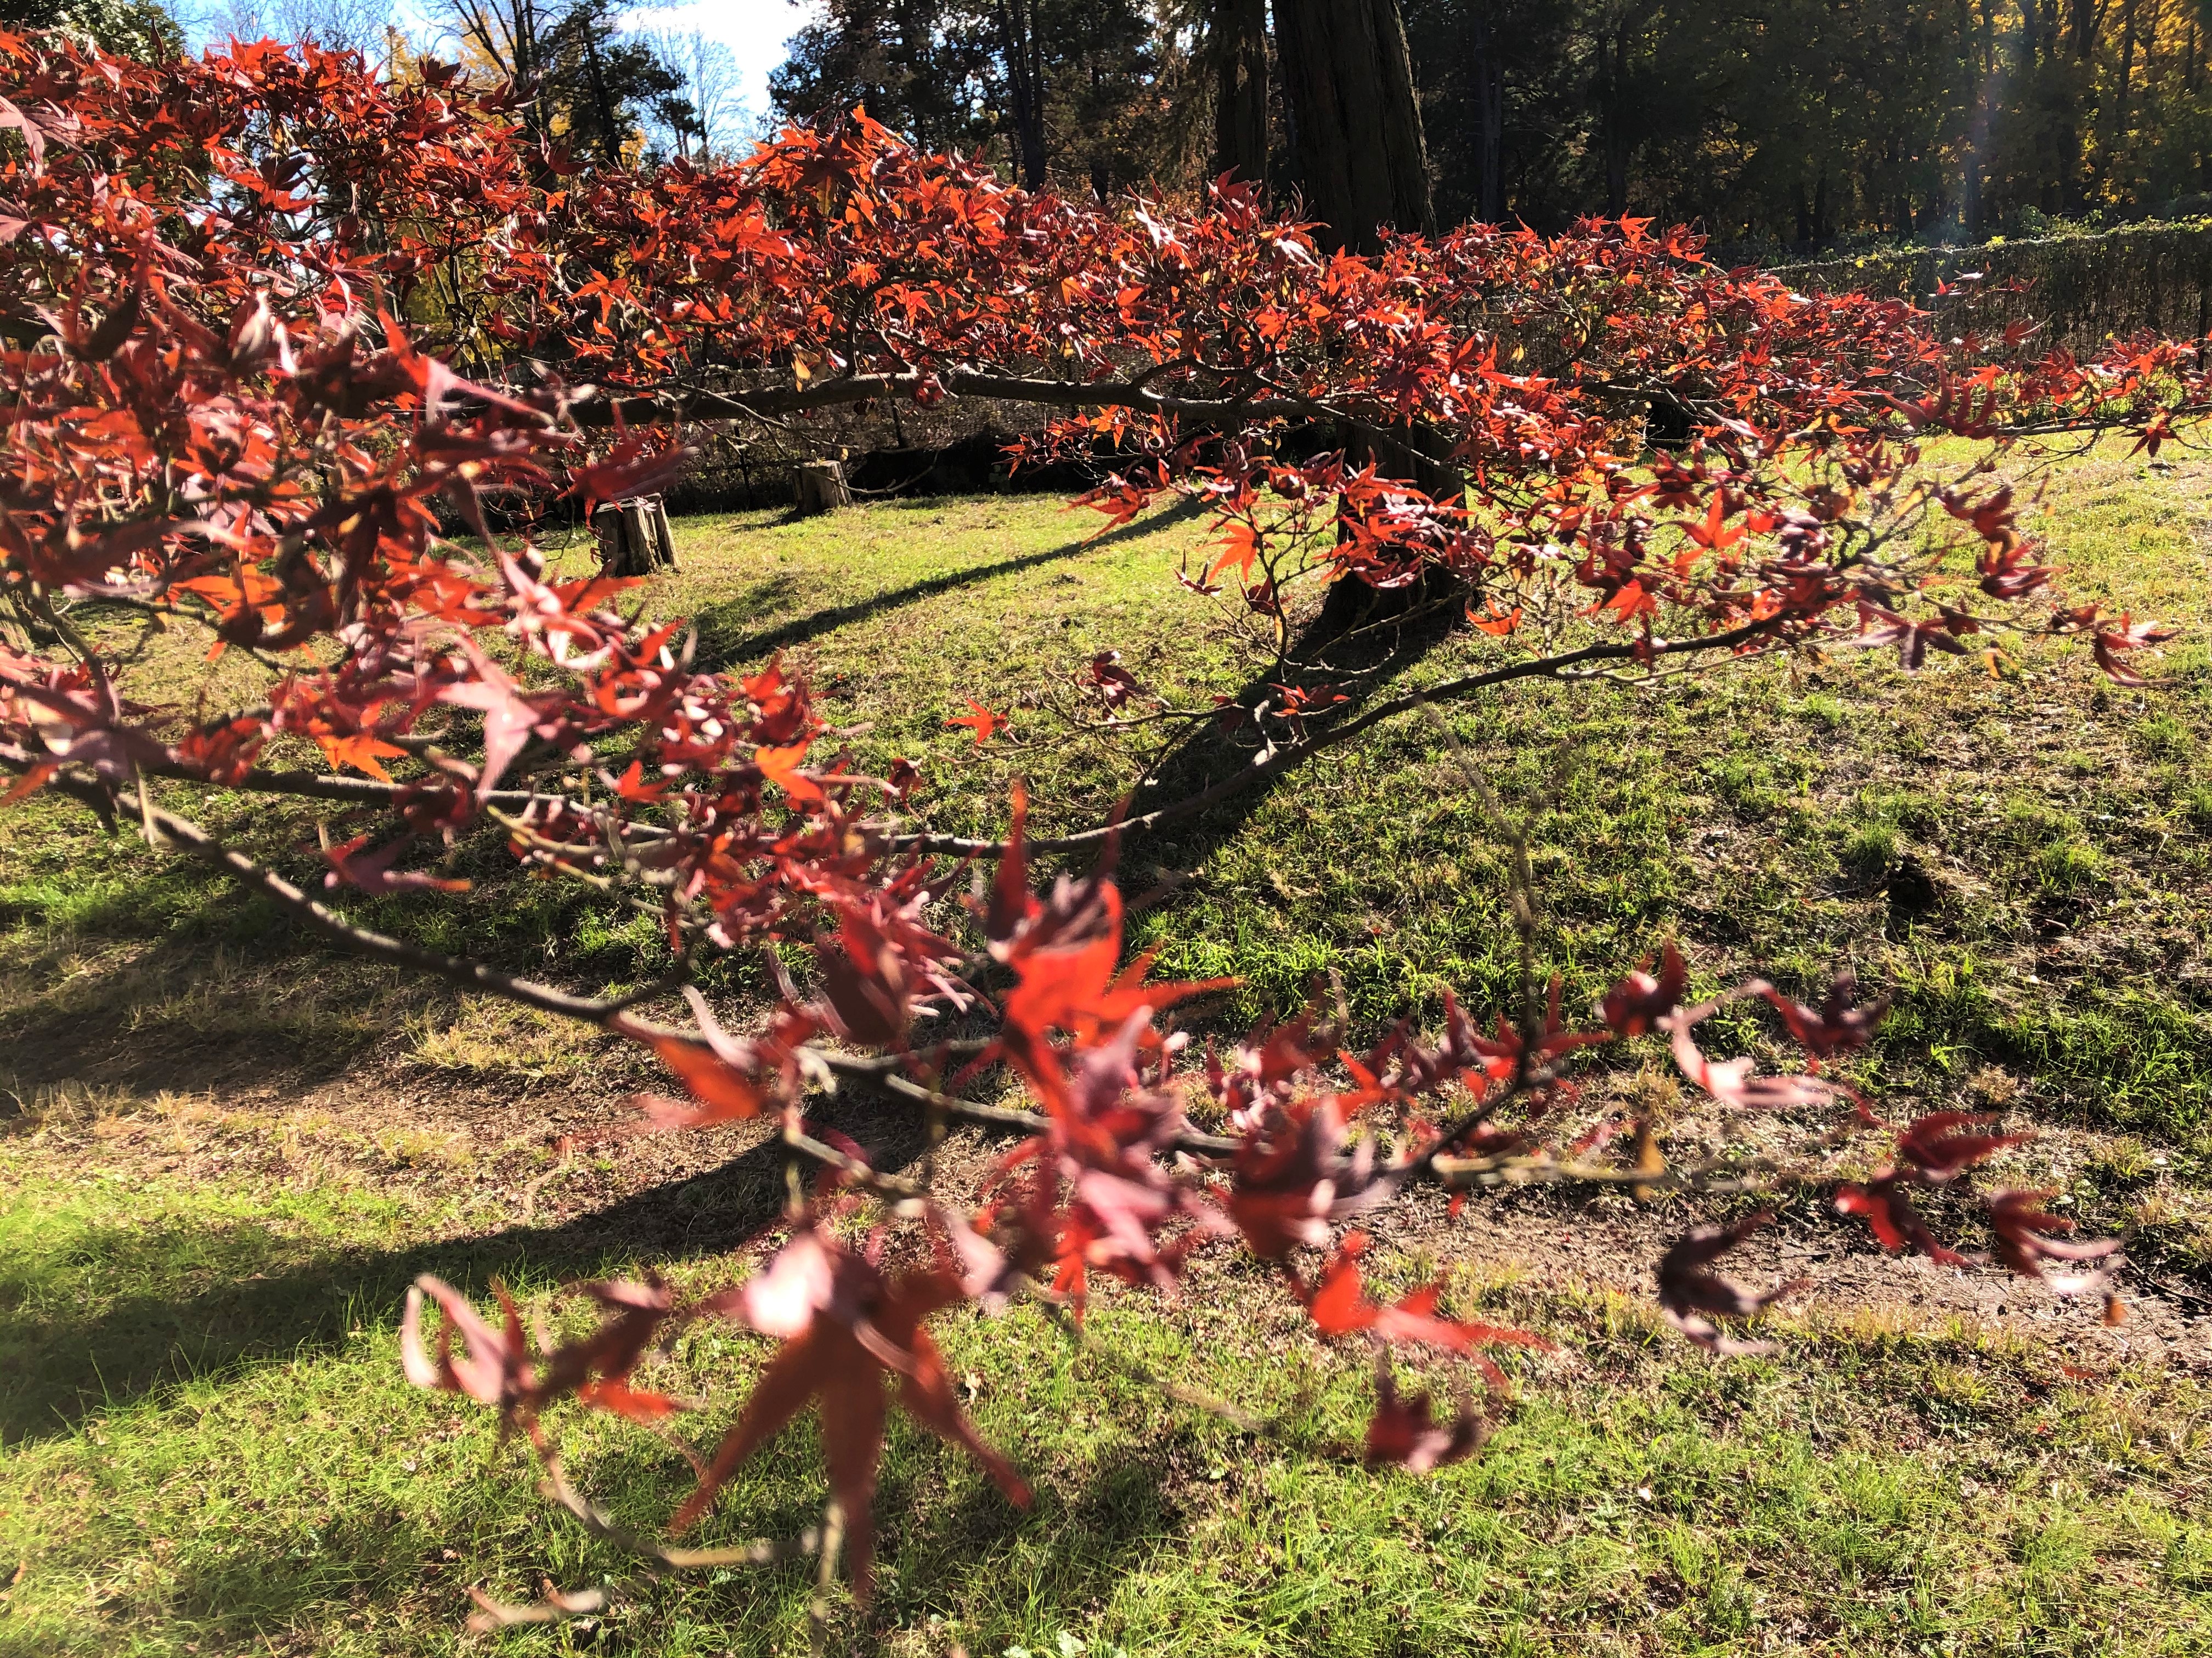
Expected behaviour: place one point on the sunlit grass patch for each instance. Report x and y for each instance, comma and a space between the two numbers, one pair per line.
1875, 1478
209, 1442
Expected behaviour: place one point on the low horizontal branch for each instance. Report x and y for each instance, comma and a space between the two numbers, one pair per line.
881, 1072
351, 791
459, 970
604, 408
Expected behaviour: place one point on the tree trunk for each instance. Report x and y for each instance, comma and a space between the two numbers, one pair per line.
609, 142
1240, 108
1348, 79
821, 485
633, 537
2119, 144
1612, 120
1972, 215
1024, 52
2080, 93
1489, 75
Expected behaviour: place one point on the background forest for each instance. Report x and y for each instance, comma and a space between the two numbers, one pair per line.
1798, 123
1779, 125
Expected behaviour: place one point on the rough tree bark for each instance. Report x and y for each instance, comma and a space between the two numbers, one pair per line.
1487, 71
1615, 138
1024, 54
1240, 109
1348, 79
609, 141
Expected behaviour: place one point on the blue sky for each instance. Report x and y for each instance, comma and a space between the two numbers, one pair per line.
754, 30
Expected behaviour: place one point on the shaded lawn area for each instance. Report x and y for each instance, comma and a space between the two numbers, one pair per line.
230, 1154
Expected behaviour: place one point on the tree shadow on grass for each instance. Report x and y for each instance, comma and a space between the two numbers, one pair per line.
274, 1298
721, 645
1360, 644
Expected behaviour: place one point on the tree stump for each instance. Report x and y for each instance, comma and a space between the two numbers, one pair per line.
821, 485
633, 537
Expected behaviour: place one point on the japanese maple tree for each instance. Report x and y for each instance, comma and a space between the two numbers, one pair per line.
275, 325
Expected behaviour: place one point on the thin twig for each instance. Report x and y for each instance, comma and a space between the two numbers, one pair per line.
761, 1551
378, 946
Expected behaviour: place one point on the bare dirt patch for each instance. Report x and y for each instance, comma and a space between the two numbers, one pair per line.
564, 1155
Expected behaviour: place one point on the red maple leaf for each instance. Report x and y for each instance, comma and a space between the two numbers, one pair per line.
498, 1368
1293, 1178
1886, 1203
1404, 1433
1839, 1025
1692, 1297
1499, 624
1340, 1307
1126, 1213
1065, 953
1733, 1081
850, 1331
1711, 533
1639, 1001
1913, 639
985, 723
2025, 1242
1936, 1148
2114, 640
1115, 685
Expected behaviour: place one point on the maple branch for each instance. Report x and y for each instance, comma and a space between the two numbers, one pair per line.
761, 1551
602, 407
1001, 1118
556, 1607
893, 1187
378, 946
1716, 1177
322, 786
1452, 1172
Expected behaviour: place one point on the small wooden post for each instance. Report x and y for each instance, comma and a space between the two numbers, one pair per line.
606, 528
637, 538
633, 537
821, 485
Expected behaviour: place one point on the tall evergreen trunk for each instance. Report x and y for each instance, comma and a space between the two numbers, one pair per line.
2082, 17
2120, 140
1488, 72
602, 104
1024, 52
1614, 139
1972, 215
1240, 107
2194, 60
1348, 79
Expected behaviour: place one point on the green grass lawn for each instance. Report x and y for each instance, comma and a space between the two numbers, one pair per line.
230, 1154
